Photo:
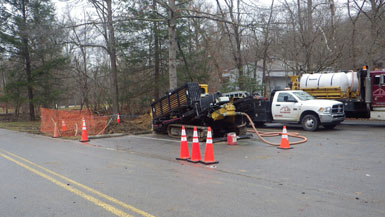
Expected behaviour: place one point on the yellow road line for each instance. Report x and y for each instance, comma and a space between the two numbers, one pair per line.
97, 202
116, 201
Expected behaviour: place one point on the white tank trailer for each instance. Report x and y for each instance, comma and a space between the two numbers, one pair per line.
346, 83
340, 80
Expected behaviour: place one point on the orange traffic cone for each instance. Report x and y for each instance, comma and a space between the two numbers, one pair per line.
184, 153
118, 119
209, 150
55, 131
63, 126
284, 140
195, 151
84, 132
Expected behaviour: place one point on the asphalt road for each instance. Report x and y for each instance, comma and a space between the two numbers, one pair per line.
337, 172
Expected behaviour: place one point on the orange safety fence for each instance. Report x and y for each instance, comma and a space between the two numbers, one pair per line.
73, 122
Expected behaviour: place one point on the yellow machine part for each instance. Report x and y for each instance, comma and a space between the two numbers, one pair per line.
294, 82
227, 110
205, 88
326, 92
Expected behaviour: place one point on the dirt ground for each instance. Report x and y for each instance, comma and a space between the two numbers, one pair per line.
136, 125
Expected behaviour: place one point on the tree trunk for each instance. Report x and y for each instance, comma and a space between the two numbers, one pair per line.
255, 68
309, 36
256, 59
354, 55
112, 54
264, 78
85, 83
156, 55
239, 52
353, 63
302, 31
6, 103
28, 69
373, 32
266, 46
172, 45
333, 25
238, 57
333, 28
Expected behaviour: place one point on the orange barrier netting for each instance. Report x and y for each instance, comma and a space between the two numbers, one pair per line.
73, 121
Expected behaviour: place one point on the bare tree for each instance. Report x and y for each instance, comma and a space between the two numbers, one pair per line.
234, 33
172, 44
104, 10
375, 14
354, 20
333, 23
309, 35
81, 66
266, 46
26, 55
156, 52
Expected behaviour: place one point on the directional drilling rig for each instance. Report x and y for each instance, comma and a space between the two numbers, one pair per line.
190, 105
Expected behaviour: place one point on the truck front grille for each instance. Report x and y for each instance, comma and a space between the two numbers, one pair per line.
338, 109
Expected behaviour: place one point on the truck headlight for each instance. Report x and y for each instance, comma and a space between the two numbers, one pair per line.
325, 109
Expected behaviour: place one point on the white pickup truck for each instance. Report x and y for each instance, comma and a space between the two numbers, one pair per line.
293, 106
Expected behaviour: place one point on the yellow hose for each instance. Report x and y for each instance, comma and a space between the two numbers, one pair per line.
271, 134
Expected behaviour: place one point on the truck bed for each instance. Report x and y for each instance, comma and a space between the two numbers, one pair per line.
258, 109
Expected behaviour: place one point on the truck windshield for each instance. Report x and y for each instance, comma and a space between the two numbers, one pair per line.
303, 96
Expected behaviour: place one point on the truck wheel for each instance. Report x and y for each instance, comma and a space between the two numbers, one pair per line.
330, 126
310, 122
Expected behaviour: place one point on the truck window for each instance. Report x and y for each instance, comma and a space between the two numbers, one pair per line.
281, 97
376, 80
303, 95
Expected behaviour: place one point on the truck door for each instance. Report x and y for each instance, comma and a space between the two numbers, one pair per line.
378, 89
285, 108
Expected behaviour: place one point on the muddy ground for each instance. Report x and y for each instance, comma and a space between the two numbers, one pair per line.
140, 124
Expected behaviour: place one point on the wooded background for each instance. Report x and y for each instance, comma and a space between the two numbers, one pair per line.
112, 56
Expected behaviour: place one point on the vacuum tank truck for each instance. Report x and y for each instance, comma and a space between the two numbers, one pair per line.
363, 92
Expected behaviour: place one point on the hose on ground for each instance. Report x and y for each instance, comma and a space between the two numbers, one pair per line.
272, 134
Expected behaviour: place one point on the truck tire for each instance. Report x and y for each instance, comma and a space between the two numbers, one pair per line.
310, 122
330, 126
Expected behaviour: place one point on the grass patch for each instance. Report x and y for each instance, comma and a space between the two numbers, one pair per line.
27, 126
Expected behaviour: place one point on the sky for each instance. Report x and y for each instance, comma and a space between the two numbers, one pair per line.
76, 7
